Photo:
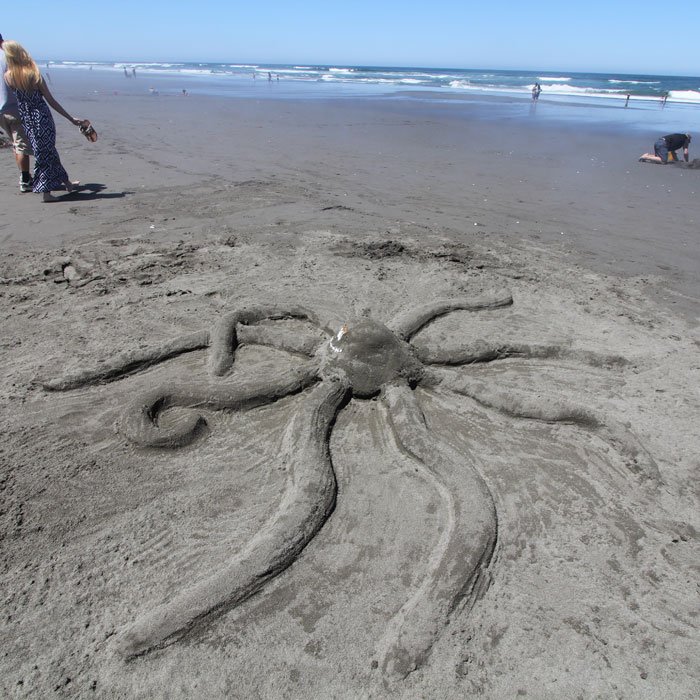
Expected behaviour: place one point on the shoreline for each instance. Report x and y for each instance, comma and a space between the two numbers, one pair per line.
523, 178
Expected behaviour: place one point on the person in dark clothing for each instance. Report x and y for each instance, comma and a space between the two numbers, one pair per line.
665, 145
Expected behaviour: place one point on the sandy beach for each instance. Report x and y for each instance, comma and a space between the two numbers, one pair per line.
577, 421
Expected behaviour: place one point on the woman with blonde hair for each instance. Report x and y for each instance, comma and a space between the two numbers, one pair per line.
32, 95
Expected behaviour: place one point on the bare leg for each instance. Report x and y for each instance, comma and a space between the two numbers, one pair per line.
22, 162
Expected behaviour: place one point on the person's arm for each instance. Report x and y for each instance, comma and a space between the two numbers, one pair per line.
52, 101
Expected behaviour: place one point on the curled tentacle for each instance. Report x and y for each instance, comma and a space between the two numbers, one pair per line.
465, 547
521, 405
128, 362
140, 421
407, 324
305, 507
224, 338
481, 351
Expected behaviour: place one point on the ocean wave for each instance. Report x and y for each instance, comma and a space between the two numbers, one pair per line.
582, 85
284, 71
635, 82
684, 95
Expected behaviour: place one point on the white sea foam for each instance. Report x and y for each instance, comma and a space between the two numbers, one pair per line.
546, 77
635, 82
684, 95
284, 71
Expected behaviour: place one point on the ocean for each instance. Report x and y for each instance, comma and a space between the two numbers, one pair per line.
581, 98
590, 85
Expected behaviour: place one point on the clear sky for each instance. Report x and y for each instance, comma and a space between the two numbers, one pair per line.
635, 36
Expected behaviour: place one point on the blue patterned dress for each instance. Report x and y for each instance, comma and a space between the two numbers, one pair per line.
38, 122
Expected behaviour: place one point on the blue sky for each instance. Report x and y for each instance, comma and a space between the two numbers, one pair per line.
633, 36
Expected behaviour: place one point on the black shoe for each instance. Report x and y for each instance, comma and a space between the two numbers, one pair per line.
26, 185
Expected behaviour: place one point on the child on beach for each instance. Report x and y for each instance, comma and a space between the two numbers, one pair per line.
32, 96
666, 146
11, 124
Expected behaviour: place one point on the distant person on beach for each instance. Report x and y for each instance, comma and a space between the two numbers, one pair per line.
11, 124
627, 101
536, 90
665, 145
664, 99
32, 95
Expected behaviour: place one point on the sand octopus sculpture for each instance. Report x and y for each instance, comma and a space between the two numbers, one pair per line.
363, 359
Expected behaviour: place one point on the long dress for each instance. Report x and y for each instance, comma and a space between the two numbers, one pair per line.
38, 122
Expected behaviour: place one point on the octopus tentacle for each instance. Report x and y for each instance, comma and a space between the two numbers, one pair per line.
223, 341
521, 405
140, 421
308, 502
128, 362
280, 338
407, 324
224, 338
481, 351
463, 552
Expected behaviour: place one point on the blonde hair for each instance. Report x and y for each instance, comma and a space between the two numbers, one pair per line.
22, 72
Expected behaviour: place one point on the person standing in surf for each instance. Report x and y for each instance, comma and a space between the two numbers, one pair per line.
24, 78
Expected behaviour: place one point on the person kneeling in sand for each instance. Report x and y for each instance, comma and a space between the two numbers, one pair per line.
665, 145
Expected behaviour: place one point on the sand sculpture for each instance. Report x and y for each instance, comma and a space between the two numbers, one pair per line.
362, 359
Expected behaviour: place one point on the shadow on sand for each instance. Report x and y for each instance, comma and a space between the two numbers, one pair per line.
90, 191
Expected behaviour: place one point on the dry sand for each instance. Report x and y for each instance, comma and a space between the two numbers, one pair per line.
196, 207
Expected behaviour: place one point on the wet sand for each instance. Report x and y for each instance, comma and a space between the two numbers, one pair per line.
196, 206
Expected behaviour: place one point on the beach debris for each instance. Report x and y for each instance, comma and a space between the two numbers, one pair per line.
74, 270
338, 337
70, 273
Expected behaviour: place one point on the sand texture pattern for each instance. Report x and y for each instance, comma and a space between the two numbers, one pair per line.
328, 424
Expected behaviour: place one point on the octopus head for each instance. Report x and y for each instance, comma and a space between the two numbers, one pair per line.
370, 355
